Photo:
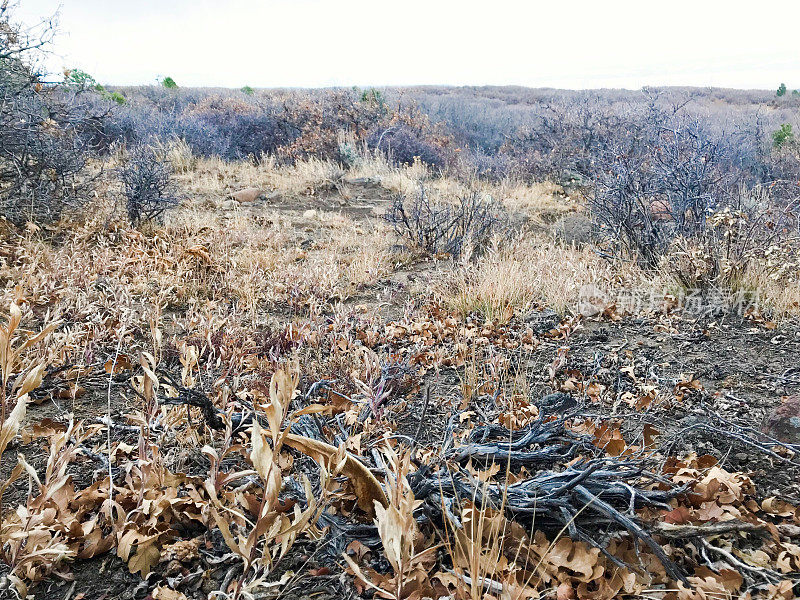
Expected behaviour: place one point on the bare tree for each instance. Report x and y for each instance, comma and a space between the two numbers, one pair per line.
17, 40
46, 131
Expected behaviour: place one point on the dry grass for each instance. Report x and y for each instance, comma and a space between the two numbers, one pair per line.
210, 181
536, 200
528, 272
178, 153
400, 180
762, 278
241, 264
215, 179
778, 297
775, 298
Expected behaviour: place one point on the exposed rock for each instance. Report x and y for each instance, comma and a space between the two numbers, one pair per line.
310, 214
247, 195
230, 205
783, 422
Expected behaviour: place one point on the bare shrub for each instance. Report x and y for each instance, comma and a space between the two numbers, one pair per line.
564, 139
403, 145
442, 227
487, 167
659, 182
234, 128
737, 244
46, 132
147, 185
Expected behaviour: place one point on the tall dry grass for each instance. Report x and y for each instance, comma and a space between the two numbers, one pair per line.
527, 272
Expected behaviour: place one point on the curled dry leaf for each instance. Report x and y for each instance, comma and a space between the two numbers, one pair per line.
781, 591
368, 490
13, 422
122, 363
779, 507
165, 593
577, 558
263, 459
708, 585
565, 591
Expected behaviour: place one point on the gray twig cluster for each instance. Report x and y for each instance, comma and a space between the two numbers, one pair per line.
147, 184
442, 227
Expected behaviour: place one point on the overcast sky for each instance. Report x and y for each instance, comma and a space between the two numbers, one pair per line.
311, 43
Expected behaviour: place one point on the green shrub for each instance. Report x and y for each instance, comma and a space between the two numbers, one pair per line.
781, 90
81, 80
248, 90
782, 136
169, 83
373, 96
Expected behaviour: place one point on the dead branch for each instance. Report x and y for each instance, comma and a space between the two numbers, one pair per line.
674, 532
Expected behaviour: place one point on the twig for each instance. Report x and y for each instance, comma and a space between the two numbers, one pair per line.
70, 591
490, 585
769, 575
422, 418
671, 531
108, 413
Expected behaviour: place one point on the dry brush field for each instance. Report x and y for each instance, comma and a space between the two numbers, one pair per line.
281, 398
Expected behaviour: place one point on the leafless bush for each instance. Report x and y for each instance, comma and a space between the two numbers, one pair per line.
658, 181
404, 145
441, 227
565, 138
147, 185
46, 132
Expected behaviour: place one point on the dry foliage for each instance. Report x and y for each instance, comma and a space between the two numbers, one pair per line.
232, 389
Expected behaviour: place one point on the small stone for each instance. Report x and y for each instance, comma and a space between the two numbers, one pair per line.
310, 214
783, 422
247, 195
230, 205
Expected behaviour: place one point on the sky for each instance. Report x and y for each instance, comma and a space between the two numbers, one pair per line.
573, 44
